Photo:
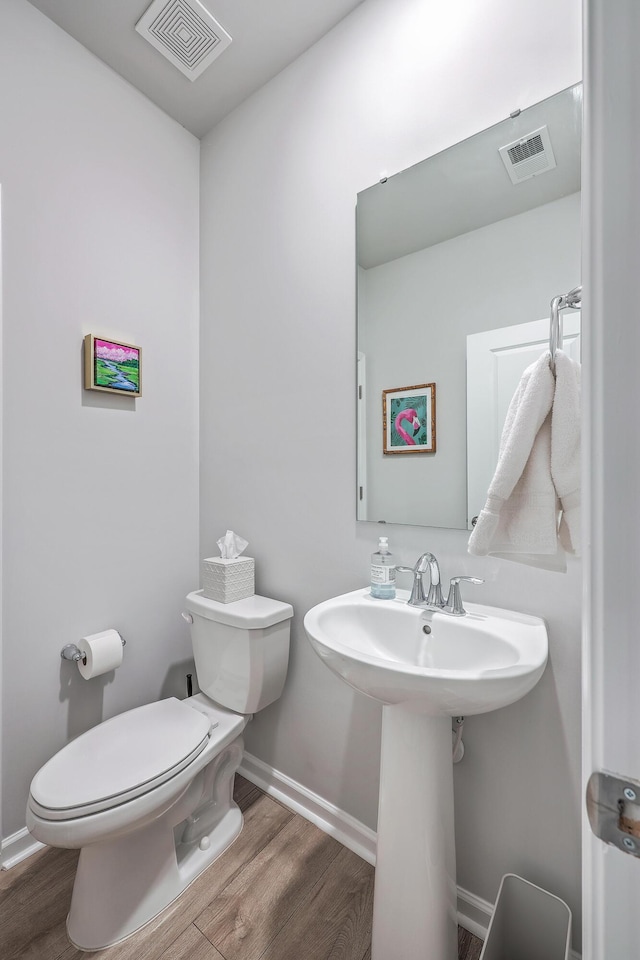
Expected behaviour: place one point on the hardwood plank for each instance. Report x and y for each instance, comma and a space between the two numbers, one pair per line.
69, 954
9, 878
243, 920
34, 906
191, 945
334, 921
245, 793
263, 820
469, 947
37, 871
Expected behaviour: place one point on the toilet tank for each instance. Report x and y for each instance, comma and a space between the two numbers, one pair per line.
241, 649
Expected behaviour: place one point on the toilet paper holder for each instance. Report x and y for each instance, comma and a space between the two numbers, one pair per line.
71, 652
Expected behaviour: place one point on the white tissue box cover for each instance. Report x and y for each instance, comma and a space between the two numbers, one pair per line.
228, 580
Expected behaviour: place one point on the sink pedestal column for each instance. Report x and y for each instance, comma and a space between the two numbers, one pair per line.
415, 896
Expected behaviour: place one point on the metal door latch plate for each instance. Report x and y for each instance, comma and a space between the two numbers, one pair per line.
613, 806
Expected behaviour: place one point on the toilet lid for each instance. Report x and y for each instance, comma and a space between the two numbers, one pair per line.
121, 758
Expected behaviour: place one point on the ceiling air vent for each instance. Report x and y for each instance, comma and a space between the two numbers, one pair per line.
185, 33
528, 156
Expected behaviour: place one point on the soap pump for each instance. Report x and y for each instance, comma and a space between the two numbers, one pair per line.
383, 572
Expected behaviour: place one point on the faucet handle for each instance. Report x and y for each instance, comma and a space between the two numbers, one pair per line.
453, 605
417, 590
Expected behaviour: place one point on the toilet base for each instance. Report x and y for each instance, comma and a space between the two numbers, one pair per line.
124, 883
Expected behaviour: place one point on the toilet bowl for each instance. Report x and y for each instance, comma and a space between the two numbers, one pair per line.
147, 796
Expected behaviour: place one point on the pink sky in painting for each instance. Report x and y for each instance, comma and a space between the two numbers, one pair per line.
106, 350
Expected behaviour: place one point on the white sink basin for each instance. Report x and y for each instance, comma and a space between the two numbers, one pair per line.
464, 665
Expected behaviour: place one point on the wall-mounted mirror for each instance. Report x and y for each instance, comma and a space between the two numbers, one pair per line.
475, 240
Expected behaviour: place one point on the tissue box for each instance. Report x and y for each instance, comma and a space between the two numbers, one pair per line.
228, 580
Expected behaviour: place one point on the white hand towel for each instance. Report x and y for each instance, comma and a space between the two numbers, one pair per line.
519, 519
565, 449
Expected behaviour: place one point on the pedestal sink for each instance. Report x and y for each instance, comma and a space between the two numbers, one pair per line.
425, 668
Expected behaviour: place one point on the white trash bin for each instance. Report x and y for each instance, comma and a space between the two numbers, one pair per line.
527, 924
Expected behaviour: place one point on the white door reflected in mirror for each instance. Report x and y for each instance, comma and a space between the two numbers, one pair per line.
496, 360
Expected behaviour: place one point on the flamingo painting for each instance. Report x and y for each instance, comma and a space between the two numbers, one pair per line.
409, 414
409, 419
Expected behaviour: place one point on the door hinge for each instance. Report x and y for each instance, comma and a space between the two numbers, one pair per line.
362, 493
360, 392
613, 806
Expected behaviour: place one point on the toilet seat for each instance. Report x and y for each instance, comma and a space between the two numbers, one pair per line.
120, 759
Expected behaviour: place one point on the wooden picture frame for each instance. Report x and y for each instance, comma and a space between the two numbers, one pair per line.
112, 366
409, 419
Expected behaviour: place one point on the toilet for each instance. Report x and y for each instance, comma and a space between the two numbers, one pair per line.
147, 796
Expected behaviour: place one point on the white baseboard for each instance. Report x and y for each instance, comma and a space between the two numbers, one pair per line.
474, 914
18, 847
334, 821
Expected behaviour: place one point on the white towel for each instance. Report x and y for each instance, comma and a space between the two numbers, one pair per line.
520, 518
565, 449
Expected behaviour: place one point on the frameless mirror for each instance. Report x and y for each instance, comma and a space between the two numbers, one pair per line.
458, 259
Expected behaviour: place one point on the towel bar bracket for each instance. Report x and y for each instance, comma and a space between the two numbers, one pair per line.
569, 301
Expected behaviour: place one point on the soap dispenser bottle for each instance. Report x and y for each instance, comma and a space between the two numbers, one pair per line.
383, 572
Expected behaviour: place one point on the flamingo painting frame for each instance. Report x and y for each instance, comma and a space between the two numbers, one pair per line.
409, 419
112, 366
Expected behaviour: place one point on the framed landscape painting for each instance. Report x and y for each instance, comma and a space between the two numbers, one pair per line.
112, 366
409, 419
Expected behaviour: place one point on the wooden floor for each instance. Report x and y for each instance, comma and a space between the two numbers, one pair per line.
283, 891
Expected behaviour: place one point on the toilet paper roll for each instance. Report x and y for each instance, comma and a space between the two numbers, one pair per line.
102, 652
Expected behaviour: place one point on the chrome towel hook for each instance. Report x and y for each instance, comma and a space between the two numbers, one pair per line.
570, 301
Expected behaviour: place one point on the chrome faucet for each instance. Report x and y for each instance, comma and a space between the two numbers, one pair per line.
434, 597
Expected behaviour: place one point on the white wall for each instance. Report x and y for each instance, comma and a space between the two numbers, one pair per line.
394, 82
100, 234
415, 317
